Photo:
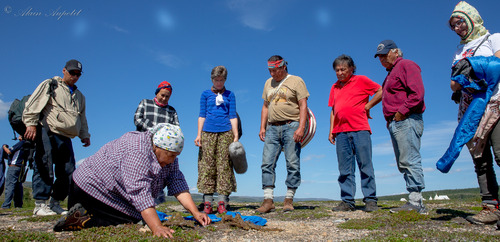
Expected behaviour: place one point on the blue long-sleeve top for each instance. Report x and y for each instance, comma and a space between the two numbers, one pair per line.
217, 117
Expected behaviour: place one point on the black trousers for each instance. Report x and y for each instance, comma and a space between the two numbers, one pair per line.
101, 213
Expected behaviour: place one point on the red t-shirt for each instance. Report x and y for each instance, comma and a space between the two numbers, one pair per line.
348, 103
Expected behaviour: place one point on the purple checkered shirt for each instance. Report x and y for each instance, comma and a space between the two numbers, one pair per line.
125, 174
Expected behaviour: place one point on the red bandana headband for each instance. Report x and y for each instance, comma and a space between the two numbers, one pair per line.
275, 64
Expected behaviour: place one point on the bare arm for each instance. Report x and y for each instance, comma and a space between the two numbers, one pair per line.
299, 133
153, 221
263, 120
187, 202
197, 141
6, 149
234, 128
375, 100
331, 136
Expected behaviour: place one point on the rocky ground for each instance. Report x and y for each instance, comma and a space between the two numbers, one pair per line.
311, 221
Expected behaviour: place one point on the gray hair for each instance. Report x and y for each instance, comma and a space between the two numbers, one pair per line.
400, 52
219, 71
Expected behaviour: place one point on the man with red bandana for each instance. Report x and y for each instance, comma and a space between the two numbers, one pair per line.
283, 121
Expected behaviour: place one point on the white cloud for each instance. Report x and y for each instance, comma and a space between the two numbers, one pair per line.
318, 182
257, 14
169, 60
383, 148
312, 157
4, 108
117, 28
387, 175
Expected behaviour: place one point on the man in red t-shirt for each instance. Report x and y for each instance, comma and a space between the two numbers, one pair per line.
350, 131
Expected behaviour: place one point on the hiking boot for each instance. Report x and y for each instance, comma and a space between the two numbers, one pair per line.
41, 209
371, 206
75, 219
288, 205
410, 207
489, 215
207, 208
221, 208
55, 206
343, 206
266, 207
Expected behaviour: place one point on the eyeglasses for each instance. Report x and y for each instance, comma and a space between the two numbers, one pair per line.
75, 73
457, 24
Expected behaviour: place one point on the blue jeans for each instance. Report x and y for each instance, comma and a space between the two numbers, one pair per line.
13, 188
54, 158
357, 146
278, 138
405, 137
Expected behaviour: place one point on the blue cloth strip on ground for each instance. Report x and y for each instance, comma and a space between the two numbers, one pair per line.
253, 219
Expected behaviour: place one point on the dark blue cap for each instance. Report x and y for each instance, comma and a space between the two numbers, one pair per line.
384, 47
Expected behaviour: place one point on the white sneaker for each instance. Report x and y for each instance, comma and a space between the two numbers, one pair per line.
55, 206
41, 209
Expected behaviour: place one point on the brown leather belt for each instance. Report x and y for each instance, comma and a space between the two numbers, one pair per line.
14, 165
279, 123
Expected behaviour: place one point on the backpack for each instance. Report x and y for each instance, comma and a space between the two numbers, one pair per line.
17, 108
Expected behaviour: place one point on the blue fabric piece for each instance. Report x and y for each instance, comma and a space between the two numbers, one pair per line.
163, 216
486, 69
253, 219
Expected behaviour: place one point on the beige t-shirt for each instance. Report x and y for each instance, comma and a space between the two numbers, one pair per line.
284, 105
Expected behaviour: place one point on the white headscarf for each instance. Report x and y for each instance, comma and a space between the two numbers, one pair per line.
168, 137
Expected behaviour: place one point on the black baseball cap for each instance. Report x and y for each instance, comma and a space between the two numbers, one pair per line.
384, 47
73, 65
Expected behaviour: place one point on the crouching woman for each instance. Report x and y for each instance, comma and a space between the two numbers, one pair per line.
117, 185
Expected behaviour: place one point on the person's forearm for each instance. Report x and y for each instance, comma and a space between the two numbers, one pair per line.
201, 121
302, 113
151, 217
234, 127
375, 100
186, 201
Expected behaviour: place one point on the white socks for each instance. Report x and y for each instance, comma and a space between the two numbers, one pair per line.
290, 192
268, 193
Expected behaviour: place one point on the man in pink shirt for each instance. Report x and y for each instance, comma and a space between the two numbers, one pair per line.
350, 131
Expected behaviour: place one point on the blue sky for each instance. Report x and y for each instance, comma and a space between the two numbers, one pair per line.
127, 48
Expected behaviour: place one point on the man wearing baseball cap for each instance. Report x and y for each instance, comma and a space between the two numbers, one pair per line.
53, 115
403, 106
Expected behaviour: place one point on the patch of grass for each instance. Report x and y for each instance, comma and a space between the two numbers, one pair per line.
48, 218
130, 232
431, 234
408, 216
13, 235
370, 224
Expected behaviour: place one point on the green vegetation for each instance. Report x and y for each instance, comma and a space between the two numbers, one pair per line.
445, 222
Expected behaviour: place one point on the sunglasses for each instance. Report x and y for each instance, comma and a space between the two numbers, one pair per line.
456, 24
75, 73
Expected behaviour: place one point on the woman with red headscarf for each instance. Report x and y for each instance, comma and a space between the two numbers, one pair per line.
151, 112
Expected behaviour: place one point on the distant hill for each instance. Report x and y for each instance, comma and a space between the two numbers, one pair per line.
451, 193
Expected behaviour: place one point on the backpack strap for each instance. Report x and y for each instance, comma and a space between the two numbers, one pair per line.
474, 53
